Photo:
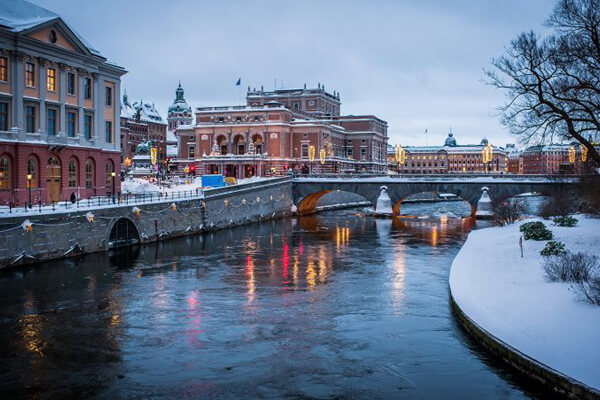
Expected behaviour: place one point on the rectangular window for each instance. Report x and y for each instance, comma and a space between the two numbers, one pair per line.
3, 116
363, 152
87, 127
3, 69
71, 117
30, 119
108, 128
30, 74
51, 79
70, 84
51, 121
108, 95
349, 153
191, 152
304, 150
87, 88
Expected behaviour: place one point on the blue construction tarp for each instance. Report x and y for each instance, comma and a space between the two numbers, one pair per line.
213, 181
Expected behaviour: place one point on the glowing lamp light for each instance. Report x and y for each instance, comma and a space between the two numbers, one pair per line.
487, 153
311, 153
192, 168
400, 154
136, 211
173, 207
153, 155
113, 174
29, 177
27, 225
322, 154
186, 170
572, 153
90, 217
584, 151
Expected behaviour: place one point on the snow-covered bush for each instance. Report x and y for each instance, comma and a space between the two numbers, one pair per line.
571, 267
565, 221
535, 231
590, 290
553, 248
508, 211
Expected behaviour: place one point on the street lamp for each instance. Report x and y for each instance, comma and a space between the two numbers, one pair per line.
112, 175
486, 155
572, 153
311, 155
400, 155
29, 177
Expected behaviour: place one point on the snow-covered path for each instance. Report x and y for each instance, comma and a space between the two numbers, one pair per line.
510, 297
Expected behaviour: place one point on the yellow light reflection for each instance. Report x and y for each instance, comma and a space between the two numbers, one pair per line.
311, 274
434, 236
250, 280
322, 264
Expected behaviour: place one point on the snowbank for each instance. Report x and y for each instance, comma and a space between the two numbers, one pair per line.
510, 297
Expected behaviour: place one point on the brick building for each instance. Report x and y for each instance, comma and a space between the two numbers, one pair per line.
141, 121
449, 158
276, 130
58, 110
548, 159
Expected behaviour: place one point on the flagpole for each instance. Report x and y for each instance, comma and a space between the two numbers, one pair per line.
426, 138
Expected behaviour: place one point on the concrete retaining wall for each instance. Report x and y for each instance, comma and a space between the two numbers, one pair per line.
543, 374
70, 233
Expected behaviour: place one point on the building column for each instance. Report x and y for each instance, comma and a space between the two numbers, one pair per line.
62, 131
98, 109
43, 77
18, 79
81, 74
117, 119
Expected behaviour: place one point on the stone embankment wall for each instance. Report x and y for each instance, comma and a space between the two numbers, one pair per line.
69, 233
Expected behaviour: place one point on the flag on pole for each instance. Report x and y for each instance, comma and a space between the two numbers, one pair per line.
425, 130
239, 82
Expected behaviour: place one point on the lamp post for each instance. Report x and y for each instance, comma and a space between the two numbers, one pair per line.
486, 156
29, 177
400, 156
112, 175
311, 156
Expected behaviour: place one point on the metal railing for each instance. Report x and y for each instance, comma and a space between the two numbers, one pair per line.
99, 201
439, 176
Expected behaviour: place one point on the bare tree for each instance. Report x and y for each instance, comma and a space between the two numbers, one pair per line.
553, 83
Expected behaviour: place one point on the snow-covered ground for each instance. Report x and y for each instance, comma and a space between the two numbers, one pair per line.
511, 298
139, 185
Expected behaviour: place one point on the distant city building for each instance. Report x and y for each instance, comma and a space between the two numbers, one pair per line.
141, 121
515, 161
276, 130
548, 159
449, 158
180, 113
58, 110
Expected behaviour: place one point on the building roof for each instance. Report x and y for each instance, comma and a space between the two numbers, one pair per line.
180, 105
20, 16
147, 112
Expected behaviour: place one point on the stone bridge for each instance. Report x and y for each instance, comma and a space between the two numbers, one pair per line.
308, 190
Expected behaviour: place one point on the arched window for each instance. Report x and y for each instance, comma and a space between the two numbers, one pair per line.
33, 171
73, 173
109, 171
5, 174
89, 174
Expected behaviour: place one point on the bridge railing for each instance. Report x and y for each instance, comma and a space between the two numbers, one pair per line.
515, 177
97, 202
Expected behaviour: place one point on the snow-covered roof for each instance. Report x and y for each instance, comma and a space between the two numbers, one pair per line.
147, 111
20, 15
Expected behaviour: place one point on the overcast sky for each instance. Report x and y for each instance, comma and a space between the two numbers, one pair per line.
416, 64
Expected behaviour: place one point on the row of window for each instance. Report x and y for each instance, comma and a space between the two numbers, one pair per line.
53, 172
30, 80
52, 122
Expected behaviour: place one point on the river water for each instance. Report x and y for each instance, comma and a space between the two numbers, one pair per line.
337, 305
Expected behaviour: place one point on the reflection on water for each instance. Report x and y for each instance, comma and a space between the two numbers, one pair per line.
327, 306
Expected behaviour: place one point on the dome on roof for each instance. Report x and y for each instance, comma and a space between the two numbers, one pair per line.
484, 142
450, 140
180, 105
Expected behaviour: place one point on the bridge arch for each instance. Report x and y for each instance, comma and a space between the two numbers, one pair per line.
398, 203
309, 203
122, 232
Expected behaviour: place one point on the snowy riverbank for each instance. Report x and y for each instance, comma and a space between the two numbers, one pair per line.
510, 298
